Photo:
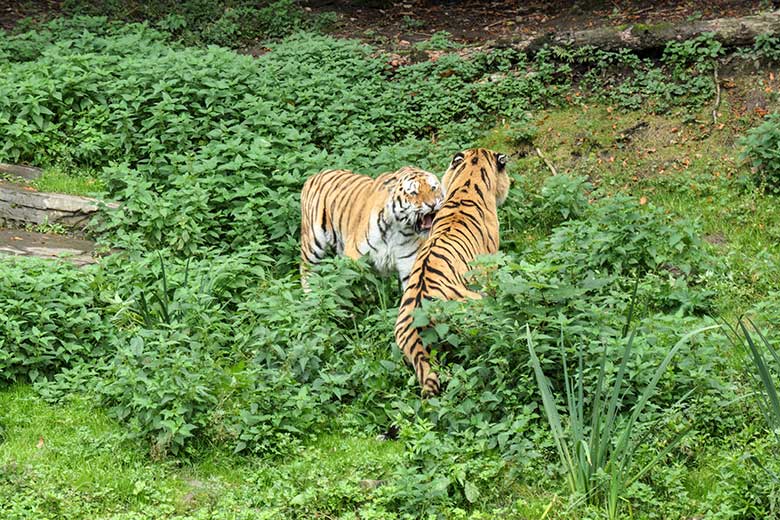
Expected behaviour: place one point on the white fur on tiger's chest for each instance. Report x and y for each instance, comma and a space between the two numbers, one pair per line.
389, 248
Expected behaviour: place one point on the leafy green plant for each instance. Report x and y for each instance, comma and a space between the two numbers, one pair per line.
161, 384
231, 24
46, 227
762, 149
597, 453
766, 47
50, 319
412, 24
439, 41
620, 235
563, 197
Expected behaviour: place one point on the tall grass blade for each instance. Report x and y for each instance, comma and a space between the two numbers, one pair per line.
145, 310
605, 432
630, 314
551, 411
770, 400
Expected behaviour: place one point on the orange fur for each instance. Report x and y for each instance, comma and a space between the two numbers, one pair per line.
386, 218
466, 226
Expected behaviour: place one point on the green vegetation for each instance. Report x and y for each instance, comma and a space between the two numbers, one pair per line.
60, 180
233, 23
189, 376
762, 148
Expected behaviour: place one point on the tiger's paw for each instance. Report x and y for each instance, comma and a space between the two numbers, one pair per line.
431, 387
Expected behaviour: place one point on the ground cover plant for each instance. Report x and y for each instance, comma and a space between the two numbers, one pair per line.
188, 376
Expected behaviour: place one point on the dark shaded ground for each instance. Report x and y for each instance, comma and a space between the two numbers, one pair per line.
471, 22
11, 11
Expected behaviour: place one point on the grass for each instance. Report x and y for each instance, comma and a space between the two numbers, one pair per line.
680, 162
60, 180
69, 181
598, 459
70, 461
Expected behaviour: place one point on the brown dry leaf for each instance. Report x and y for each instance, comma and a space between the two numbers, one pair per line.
17, 238
642, 201
771, 76
40, 442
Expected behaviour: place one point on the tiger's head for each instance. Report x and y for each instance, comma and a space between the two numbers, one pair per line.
416, 197
483, 166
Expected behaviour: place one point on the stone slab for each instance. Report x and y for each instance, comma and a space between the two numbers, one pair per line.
25, 243
17, 170
22, 204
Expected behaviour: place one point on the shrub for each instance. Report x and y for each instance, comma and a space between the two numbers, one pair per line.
762, 149
563, 198
201, 22
49, 319
161, 385
620, 236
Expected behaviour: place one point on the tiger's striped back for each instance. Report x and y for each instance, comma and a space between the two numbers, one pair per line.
476, 183
386, 218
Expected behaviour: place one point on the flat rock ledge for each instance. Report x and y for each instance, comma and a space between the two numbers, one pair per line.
20, 204
24, 243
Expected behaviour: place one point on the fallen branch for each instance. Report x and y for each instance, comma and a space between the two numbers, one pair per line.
717, 95
546, 161
640, 37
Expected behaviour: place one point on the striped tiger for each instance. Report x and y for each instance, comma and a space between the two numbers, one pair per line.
387, 218
466, 226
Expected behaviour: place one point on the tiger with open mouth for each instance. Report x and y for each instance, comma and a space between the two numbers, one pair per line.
387, 218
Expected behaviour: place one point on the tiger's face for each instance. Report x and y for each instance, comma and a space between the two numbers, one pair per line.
416, 197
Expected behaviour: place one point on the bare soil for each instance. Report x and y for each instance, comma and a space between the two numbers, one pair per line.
475, 22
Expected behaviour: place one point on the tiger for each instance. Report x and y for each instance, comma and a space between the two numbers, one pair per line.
387, 218
466, 226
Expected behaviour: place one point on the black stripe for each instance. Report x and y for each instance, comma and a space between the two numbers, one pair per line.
479, 192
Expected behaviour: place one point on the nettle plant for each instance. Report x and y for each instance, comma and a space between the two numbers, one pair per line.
762, 150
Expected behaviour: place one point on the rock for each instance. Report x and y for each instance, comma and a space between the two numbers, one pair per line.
25, 205
26, 172
24, 243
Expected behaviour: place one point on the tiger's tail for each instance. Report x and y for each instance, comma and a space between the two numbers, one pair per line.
314, 234
408, 339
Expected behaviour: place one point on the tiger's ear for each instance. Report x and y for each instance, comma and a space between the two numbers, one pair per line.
457, 159
501, 160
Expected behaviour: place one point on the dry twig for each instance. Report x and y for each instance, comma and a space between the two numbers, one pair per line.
546, 161
717, 95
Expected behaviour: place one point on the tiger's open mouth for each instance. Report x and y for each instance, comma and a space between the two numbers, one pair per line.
424, 223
